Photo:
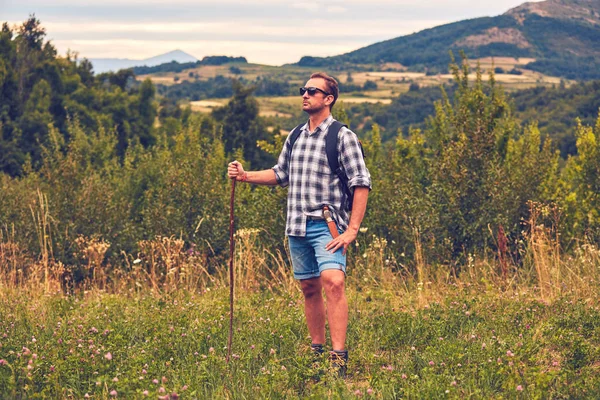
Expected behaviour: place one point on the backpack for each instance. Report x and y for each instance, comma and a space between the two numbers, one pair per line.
332, 155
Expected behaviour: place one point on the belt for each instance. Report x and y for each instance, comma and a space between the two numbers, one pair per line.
315, 218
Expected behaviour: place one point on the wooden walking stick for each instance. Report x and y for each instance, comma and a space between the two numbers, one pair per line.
231, 255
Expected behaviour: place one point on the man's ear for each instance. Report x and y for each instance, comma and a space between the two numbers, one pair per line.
329, 100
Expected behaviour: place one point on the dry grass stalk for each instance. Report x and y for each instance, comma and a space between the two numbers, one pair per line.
165, 266
41, 219
93, 250
545, 250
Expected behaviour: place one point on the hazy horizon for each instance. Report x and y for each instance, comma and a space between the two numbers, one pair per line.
266, 32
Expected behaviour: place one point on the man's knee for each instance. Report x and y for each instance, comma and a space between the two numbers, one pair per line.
334, 282
311, 287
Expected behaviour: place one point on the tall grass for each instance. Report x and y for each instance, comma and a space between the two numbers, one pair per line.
169, 264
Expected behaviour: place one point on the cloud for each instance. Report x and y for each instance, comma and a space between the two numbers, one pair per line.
337, 9
314, 6
273, 53
266, 28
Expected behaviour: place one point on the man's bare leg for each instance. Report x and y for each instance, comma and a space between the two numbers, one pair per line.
337, 306
314, 309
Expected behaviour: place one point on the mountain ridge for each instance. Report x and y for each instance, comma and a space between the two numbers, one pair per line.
563, 36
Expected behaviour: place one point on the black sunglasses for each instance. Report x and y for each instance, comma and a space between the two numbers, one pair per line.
312, 91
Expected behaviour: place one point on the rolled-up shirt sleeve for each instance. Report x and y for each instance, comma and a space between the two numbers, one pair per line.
352, 160
282, 168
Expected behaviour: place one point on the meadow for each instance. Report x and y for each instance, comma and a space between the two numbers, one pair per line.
533, 333
475, 274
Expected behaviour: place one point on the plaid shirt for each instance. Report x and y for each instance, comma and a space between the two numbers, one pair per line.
311, 182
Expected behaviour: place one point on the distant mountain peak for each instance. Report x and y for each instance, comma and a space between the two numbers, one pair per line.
176, 55
115, 64
583, 10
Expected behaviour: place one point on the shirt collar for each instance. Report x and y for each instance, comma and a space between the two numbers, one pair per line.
323, 126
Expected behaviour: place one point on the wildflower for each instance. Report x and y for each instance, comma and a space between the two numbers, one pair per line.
453, 383
404, 376
184, 388
369, 391
357, 392
87, 396
174, 396
108, 356
113, 393
211, 350
413, 348
272, 351
283, 368
115, 379
144, 371
431, 363
164, 379
145, 393
137, 261
519, 388
509, 353
483, 346
3, 362
155, 381
93, 330
161, 390
252, 347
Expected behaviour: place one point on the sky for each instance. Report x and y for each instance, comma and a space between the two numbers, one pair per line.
271, 32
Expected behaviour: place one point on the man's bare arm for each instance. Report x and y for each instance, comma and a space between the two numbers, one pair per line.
359, 206
264, 177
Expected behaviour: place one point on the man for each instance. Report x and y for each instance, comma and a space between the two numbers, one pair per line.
319, 259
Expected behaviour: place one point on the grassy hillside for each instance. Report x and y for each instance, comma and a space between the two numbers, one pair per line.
554, 32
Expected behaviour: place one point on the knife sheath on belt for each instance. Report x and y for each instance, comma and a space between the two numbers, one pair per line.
330, 222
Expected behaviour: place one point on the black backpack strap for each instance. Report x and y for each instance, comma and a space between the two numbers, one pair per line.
331, 148
294, 136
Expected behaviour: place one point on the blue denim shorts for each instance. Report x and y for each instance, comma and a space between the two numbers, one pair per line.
309, 256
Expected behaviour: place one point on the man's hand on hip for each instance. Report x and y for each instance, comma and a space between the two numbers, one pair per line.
343, 240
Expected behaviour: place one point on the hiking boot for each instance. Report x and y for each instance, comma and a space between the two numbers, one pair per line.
317, 351
339, 362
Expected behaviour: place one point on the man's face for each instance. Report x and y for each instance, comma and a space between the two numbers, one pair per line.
312, 104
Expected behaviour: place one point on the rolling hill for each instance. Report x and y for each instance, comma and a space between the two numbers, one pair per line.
563, 36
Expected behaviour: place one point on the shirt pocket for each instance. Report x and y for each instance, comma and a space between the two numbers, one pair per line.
324, 183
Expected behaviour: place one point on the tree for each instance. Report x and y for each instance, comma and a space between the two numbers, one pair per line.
243, 127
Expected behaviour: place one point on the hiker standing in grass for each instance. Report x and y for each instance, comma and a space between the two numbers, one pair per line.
319, 225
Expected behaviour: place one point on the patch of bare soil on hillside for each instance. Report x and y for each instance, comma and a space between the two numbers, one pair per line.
495, 35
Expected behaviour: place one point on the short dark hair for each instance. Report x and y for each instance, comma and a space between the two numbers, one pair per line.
332, 85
